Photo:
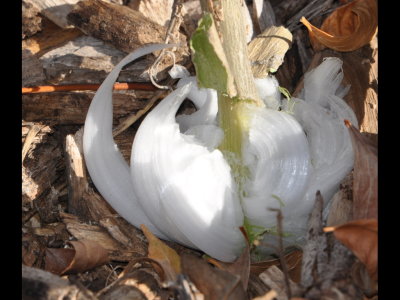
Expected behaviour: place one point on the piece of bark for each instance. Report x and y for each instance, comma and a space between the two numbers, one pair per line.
41, 285
55, 10
89, 60
274, 278
31, 69
326, 262
31, 20
33, 250
50, 37
124, 28
43, 174
70, 108
315, 246
158, 11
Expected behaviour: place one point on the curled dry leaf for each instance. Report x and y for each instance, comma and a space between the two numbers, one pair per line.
164, 255
84, 255
348, 28
361, 237
365, 177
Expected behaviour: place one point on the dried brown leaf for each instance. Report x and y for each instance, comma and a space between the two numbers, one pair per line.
215, 284
348, 28
365, 182
361, 237
164, 255
84, 256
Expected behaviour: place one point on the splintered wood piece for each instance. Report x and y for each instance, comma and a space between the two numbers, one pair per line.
274, 278
76, 171
267, 50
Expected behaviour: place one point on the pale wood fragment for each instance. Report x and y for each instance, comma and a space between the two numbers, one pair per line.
33, 131
76, 173
159, 11
274, 278
268, 49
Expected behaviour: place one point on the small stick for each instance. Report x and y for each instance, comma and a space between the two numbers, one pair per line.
90, 87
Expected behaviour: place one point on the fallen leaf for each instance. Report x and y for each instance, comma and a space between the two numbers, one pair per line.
164, 255
365, 178
361, 237
215, 284
240, 267
84, 255
348, 28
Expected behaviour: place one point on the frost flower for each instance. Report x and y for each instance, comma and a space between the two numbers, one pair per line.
186, 188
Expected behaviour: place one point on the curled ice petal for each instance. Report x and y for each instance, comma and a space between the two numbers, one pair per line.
106, 165
277, 155
206, 102
321, 113
185, 188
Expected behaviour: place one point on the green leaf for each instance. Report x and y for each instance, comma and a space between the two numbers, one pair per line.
209, 59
